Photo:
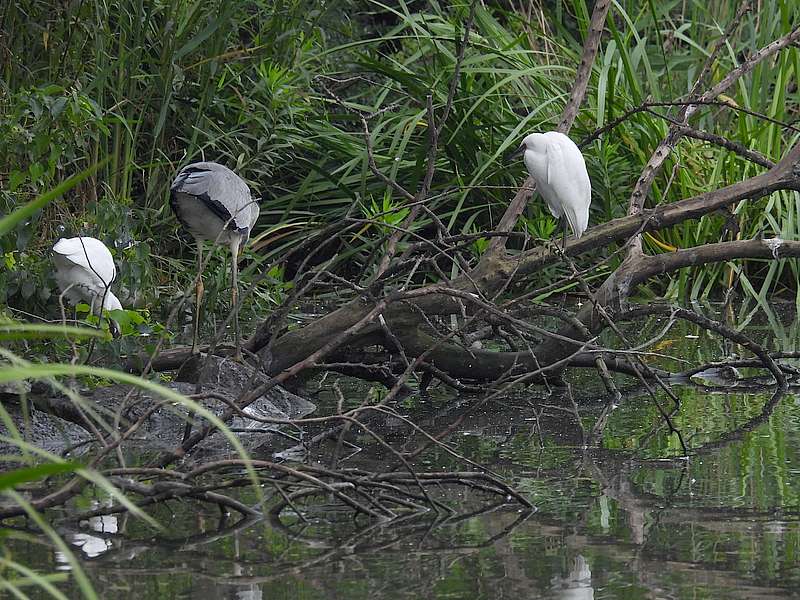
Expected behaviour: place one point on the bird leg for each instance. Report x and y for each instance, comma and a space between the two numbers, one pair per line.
199, 289
562, 220
198, 297
235, 299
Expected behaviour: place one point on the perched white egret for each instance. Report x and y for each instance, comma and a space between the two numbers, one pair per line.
84, 273
213, 203
557, 166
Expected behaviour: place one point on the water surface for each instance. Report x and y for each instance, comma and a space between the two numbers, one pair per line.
620, 516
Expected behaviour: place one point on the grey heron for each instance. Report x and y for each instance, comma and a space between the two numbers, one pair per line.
84, 272
213, 203
556, 164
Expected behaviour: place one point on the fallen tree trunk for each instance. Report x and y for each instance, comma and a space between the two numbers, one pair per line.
404, 310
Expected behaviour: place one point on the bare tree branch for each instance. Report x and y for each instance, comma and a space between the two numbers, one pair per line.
590, 48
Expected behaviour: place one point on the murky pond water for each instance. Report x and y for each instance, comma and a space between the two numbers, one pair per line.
625, 519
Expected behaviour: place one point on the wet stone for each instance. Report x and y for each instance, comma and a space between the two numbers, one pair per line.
119, 406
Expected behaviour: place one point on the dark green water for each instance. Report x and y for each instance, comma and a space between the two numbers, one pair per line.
622, 520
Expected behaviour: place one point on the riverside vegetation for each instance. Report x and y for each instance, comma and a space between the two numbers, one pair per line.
395, 249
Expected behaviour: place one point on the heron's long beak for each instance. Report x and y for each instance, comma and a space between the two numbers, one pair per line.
515, 154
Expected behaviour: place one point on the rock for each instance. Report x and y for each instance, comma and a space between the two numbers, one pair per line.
227, 374
14, 388
223, 381
719, 376
41, 429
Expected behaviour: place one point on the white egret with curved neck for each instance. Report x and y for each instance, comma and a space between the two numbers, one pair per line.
84, 272
556, 165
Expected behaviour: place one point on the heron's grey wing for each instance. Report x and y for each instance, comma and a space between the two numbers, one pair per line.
255, 210
221, 190
240, 202
206, 185
91, 255
567, 176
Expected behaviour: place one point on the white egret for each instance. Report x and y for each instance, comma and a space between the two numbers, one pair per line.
556, 164
84, 273
213, 203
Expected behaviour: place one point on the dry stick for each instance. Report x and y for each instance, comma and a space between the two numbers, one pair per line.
393, 341
532, 354
225, 501
291, 504
448, 380
400, 382
781, 177
462, 263
435, 130
590, 48
663, 150
665, 147
640, 367
738, 363
660, 154
380, 372
648, 108
683, 130
334, 461
564, 281
391, 246
460, 478
373, 166
302, 472
751, 155
166, 490
295, 473
253, 395
699, 134
717, 327
502, 316
76, 484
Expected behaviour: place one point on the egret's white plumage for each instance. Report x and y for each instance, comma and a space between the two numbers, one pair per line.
85, 271
213, 203
557, 166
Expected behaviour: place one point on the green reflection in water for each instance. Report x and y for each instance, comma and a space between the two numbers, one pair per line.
618, 521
